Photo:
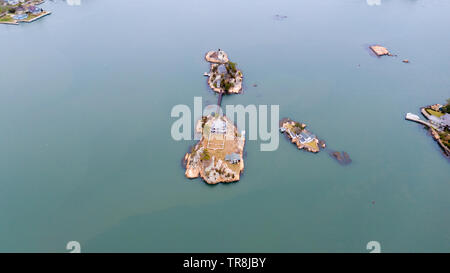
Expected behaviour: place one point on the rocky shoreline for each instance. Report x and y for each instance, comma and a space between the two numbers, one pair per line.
440, 131
218, 156
223, 76
302, 138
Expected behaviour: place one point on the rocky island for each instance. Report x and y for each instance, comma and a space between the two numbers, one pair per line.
380, 50
218, 156
223, 76
438, 123
301, 137
13, 12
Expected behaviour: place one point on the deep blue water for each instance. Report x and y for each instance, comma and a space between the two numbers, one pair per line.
86, 152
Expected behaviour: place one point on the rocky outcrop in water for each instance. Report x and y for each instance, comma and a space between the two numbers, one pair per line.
342, 158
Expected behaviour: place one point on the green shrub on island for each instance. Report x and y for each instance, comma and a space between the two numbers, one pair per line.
205, 155
446, 108
226, 85
231, 68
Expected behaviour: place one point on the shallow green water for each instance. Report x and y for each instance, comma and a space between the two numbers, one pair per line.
86, 152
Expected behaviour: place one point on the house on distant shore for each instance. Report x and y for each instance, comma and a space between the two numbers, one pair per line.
233, 158
34, 10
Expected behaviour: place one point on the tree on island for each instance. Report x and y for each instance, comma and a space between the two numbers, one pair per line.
231, 68
226, 85
446, 108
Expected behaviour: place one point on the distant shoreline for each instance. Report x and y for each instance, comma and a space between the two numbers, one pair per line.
28, 8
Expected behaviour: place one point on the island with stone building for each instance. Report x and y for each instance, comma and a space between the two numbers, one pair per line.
223, 76
218, 156
302, 138
13, 12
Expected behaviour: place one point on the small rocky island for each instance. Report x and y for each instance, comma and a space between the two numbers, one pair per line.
13, 12
301, 137
223, 77
438, 123
380, 50
218, 156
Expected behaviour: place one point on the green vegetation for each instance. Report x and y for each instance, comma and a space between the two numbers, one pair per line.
298, 128
434, 113
231, 68
5, 19
226, 80
205, 156
204, 120
445, 138
226, 85
7, 8
446, 108
194, 149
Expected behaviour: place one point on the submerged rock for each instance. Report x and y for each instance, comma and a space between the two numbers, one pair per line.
342, 158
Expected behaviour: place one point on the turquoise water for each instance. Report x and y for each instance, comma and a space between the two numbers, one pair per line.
85, 147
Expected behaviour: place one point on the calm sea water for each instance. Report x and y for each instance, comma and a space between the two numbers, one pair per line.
86, 152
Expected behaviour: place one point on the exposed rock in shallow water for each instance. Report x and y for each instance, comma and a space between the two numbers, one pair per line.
342, 158
322, 143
